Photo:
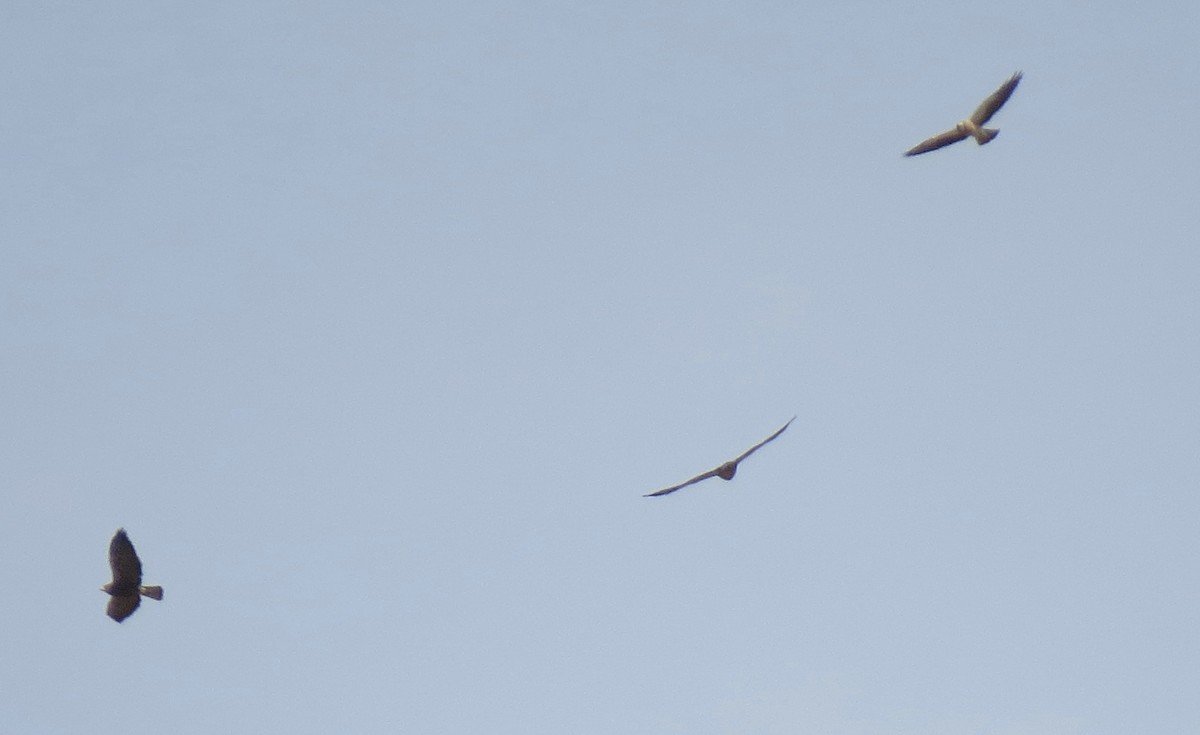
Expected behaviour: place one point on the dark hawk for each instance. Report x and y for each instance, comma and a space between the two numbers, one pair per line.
725, 471
126, 586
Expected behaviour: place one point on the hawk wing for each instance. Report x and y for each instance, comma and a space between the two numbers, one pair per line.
121, 607
758, 446
126, 567
995, 101
941, 140
673, 488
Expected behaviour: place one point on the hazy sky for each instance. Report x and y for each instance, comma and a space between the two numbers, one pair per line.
373, 322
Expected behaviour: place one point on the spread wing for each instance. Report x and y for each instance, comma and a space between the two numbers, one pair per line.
126, 567
122, 606
758, 446
995, 101
941, 140
673, 488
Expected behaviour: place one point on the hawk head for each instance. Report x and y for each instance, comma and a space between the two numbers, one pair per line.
727, 470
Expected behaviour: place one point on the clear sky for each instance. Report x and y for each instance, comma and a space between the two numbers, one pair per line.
373, 322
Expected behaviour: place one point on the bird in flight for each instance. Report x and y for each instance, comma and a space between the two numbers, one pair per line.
725, 471
126, 588
973, 125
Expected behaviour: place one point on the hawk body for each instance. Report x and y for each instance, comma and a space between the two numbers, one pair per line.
126, 589
725, 471
972, 127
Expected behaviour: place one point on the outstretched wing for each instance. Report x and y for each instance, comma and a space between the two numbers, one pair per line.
126, 567
758, 446
995, 101
673, 488
941, 140
122, 606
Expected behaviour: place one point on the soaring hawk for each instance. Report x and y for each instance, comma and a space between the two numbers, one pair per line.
973, 125
725, 471
126, 588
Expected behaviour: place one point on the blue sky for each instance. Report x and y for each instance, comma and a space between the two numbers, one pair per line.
372, 325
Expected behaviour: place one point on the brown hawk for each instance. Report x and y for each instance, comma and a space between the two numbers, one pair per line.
126, 588
972, 126
725, 471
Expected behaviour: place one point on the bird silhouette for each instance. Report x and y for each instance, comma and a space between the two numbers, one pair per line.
972, 126
725, 471
126, 588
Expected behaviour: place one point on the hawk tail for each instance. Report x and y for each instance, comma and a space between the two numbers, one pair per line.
985, 135
154, 592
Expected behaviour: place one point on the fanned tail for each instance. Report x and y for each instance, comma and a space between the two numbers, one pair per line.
985, 135
153, 592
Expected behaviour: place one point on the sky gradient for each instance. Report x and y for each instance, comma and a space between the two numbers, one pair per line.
372, 326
